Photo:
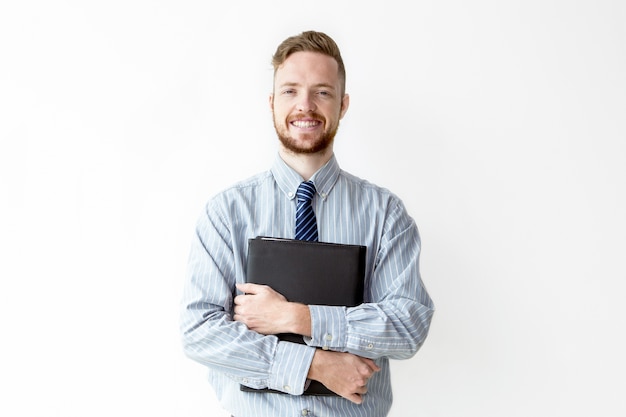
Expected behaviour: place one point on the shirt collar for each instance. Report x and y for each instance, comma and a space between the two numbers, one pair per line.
288, 180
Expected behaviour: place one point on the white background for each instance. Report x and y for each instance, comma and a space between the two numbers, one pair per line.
501, 124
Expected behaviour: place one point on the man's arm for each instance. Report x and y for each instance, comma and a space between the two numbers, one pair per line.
395, 319
267, 312
211, 337
394, 323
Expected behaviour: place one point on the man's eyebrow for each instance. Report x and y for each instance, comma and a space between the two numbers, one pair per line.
289, 84
295, 84
325, 85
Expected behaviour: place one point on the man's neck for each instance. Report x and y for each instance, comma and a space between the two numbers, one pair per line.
306, 164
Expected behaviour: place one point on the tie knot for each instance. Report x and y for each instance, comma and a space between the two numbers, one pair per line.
306, 191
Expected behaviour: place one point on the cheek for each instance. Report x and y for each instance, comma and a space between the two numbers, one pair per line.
279, 109
279, 117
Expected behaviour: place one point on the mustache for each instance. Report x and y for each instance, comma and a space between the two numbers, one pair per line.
308, 116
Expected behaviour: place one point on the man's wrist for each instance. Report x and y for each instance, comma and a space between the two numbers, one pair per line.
314, 369
300, 319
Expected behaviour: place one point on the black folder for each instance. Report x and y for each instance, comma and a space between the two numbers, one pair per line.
313, 273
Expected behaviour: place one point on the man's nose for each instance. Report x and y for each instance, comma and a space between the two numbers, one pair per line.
306, 103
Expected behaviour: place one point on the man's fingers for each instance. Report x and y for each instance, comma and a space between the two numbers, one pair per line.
355, 398
372, 364
367, 368
249, 288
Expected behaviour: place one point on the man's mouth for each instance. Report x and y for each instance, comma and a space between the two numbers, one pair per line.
305, 124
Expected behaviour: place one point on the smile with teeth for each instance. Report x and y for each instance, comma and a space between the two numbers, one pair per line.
305, 124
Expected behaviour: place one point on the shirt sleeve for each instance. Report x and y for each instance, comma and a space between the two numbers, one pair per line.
211, 337
394, 321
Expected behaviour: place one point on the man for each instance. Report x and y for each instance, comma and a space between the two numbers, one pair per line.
230, 326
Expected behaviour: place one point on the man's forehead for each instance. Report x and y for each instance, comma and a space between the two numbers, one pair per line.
315, 67
309, 61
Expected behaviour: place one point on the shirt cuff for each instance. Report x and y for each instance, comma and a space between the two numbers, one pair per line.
290, 368
328, 327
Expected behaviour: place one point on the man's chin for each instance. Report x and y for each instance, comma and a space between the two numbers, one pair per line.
305, 147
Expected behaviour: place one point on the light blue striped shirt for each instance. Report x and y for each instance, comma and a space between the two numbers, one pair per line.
392, 323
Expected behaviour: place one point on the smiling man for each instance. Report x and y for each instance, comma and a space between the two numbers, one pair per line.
230, 326
308, 102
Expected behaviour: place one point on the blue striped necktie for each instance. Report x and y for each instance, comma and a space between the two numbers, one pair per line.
306, 225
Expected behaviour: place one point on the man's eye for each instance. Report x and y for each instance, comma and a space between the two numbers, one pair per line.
288, 92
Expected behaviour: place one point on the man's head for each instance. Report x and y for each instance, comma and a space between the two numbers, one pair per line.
310, 41
309, 92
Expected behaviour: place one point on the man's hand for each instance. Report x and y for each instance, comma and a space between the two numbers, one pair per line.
267, 312
343, 373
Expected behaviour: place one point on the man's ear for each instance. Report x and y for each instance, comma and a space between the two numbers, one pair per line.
271, 101
345, 103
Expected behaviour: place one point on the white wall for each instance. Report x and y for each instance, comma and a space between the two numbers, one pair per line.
500, 124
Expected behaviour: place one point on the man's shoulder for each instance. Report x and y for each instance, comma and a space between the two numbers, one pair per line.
242, 187
366, 186
251, 182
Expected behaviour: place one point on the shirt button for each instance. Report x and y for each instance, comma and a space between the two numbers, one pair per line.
329, 337
370, 346
290, 194
287, 388
305, 412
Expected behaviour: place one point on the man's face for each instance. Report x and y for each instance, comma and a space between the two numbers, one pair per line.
307, 103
